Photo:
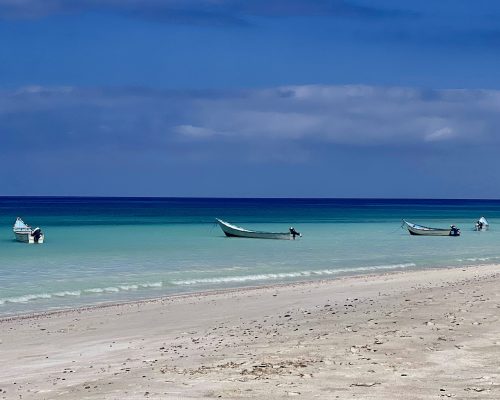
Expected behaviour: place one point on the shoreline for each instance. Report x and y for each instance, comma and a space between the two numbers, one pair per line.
216, 291
404, 334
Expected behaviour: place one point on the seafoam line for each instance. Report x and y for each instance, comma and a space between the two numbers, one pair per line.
68, 293
286, 275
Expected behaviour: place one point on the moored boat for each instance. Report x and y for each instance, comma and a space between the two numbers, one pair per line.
24, 233
420, 230
481, 224
231, 230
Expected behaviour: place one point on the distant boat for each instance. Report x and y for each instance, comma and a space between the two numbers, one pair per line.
24, 233
481, 225
231, 230
415, 229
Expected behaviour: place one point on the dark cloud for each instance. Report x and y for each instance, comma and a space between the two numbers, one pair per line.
295, 140
180, 121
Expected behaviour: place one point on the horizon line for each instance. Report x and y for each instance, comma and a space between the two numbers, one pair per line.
245, 197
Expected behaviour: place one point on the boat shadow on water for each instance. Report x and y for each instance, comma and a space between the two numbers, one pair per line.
8, 240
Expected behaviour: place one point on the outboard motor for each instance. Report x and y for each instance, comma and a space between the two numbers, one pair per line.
36, 233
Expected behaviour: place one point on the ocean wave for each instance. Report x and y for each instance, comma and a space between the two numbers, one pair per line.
111, 289
476, 259
119, 288
151, 285
25, 298
94, 290
128, 287
67, 293
75, 293
286, 275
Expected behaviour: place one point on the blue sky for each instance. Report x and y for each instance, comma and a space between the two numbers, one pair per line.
306, 98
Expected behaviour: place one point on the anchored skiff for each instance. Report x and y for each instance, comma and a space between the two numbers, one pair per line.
415, 229
231, 230
24, 233
481, 224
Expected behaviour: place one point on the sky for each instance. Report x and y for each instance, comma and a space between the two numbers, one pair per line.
261, 98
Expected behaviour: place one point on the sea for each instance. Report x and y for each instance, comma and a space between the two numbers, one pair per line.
110, 250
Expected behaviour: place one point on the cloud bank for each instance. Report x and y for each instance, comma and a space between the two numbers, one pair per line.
139, 118
310, 140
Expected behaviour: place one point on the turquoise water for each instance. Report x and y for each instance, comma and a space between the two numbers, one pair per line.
108, 250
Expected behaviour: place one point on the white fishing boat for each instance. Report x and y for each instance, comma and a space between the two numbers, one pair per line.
420, 230
231, 230
24, 233
481, 225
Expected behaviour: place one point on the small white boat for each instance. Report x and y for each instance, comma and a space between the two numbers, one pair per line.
481, 225
420, 230
24, 233
231, 230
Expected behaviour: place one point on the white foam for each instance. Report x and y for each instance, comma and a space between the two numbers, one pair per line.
94, 290
476, 259
38, 296
151, 284
67, 293
109, 289
25, 298
128, 287
114, 289
284, 275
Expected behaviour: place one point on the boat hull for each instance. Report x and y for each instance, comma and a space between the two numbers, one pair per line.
235, 231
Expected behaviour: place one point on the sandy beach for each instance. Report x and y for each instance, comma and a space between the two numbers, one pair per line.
408, 335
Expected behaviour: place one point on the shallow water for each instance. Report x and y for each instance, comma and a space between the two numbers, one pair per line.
100, 250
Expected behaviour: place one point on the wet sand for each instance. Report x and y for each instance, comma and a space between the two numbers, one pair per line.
409, 335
